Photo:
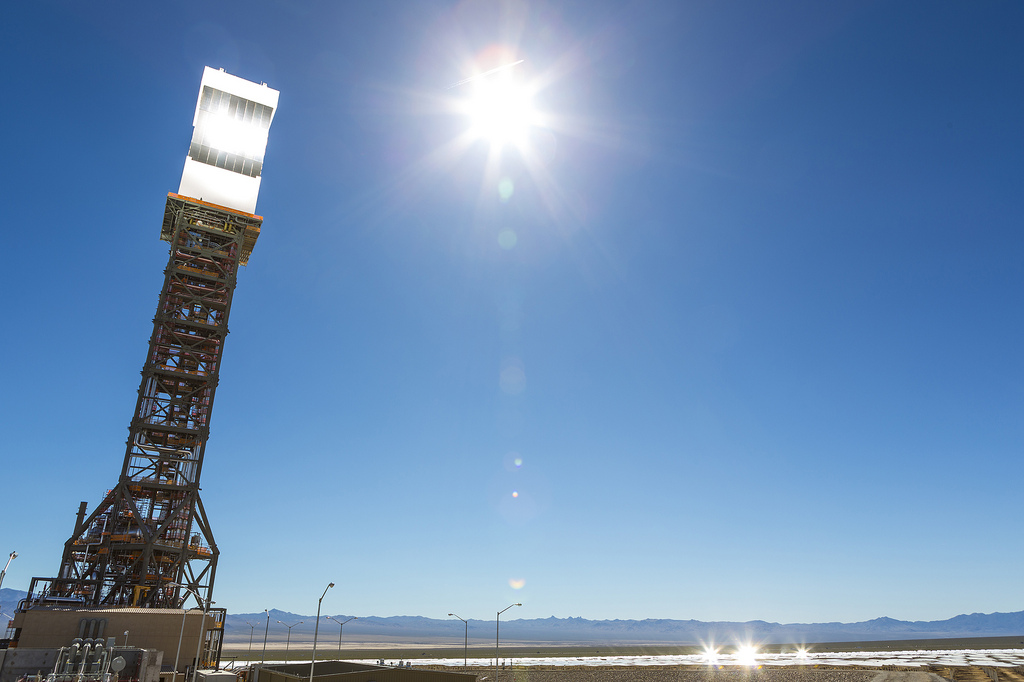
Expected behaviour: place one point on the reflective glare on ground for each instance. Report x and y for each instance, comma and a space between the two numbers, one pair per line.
953, 657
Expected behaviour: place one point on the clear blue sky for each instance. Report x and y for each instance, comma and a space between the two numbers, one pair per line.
760, 329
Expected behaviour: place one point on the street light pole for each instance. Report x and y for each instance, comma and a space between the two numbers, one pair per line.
252, 629
341, 631
177, 654
288, 643
316, 630
264, 656
465, 650
181, 633
497, 620
12, 557
202, 634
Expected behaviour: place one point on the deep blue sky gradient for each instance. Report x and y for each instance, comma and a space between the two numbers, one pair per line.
762, 321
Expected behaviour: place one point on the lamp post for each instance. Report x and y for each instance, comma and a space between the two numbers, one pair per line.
202, 634
12, 557
264, 656
342, 630
181, 632
316, 630
465, 650
126, 639
287, 644
252, 629
497, 620
177, 654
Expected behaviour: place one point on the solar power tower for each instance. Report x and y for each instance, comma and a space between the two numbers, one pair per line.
149, 542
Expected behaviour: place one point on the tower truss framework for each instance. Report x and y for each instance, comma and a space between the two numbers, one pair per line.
149, 542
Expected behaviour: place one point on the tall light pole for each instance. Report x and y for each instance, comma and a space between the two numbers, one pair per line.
342, 630
177, 654
12, 557
264, 656
316, 630
497, 620
287, 644
252, 629
465, 649
181, 632
202, 635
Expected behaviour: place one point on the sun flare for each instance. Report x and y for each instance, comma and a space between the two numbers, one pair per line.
500, 110
746, 654
504, 124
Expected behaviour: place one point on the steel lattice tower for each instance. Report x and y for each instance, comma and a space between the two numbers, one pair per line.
149, 542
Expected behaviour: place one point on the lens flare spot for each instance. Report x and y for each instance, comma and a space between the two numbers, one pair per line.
505, 189
515, 493
516, 583
512, 379
512, 461
507, 239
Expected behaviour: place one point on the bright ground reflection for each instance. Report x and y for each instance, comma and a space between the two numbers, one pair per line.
1004, 658
746, 655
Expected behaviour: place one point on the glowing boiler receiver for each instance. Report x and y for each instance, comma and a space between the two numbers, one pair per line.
225, 159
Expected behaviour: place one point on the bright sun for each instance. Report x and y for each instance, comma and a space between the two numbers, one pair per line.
505, 125
500, 110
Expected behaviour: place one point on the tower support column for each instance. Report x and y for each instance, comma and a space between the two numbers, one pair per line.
149, 542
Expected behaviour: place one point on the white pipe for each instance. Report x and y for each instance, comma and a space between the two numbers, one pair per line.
85, 658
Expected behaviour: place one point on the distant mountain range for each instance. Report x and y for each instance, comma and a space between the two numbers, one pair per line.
559, 631
556, 631
9, 601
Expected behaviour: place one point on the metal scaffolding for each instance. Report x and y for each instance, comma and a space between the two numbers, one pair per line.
149, 542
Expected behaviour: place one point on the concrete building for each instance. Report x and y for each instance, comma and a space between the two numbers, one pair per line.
175, 632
